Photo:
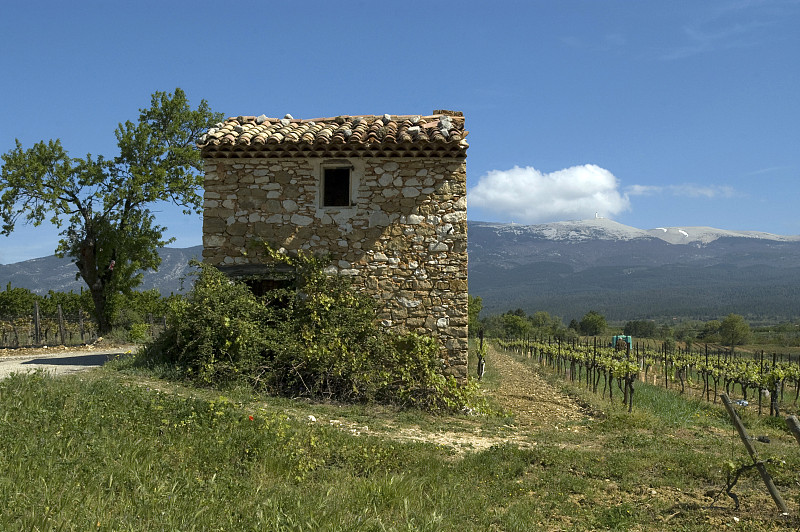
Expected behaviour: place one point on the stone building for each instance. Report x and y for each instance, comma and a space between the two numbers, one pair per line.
385, 196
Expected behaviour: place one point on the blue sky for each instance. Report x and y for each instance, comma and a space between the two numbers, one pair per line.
676, 113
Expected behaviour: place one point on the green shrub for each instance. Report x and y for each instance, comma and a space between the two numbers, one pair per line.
139, 332
318, 339
215, 333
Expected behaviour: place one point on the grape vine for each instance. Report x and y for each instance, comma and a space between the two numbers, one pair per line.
593, 362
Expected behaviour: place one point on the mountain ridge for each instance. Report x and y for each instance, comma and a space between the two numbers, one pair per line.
568, 268
607, 229
58, 274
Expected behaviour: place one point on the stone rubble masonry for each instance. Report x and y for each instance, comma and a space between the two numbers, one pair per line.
403, 239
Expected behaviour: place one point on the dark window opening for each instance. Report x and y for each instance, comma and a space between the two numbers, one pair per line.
261, 287
262, 279
336, 187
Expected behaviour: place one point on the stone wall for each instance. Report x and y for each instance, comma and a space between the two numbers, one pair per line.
403, 239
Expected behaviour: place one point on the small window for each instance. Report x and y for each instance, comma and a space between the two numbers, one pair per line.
336, 187
261, 287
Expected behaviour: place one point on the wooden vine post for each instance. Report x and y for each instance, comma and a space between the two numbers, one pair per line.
61, 331
36, 324
794, 426
761, 379
707, 374
762, 470
629, 378
481, 360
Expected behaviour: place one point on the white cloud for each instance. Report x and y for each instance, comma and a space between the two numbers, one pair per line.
644, 190
526, 195
731, 25
685, 190
696, 191
704, 40
770, 170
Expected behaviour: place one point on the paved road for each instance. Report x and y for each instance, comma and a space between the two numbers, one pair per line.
60, 363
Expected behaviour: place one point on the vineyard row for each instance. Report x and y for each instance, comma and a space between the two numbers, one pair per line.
593, 363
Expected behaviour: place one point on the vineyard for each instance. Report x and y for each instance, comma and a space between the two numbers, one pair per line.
42, 329
65, 318
772, 381
37, 329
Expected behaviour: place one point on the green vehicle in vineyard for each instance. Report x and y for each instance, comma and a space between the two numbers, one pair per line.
619, 342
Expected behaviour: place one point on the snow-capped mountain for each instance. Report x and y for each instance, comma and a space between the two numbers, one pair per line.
573, 231
704, 235
605, 229
569, 268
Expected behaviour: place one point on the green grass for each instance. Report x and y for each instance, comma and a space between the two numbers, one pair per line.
118, 449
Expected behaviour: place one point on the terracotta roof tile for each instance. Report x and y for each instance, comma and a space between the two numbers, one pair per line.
440, 134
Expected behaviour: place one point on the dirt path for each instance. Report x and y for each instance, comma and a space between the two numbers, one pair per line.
58, 360
534, 402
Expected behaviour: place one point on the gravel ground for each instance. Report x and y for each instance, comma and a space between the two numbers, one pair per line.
58, 360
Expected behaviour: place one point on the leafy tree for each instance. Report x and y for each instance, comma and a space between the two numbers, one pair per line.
710, 331
507, 325
734, 330
106, 204
475, 304
565, 334
545, 324
592, 324
16, 302
685, 332
515, 326
542, 320
640, 329
138, 306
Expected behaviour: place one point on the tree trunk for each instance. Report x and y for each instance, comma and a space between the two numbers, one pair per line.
97, 283
101, 310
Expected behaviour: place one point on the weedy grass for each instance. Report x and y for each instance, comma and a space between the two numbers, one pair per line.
118, 449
